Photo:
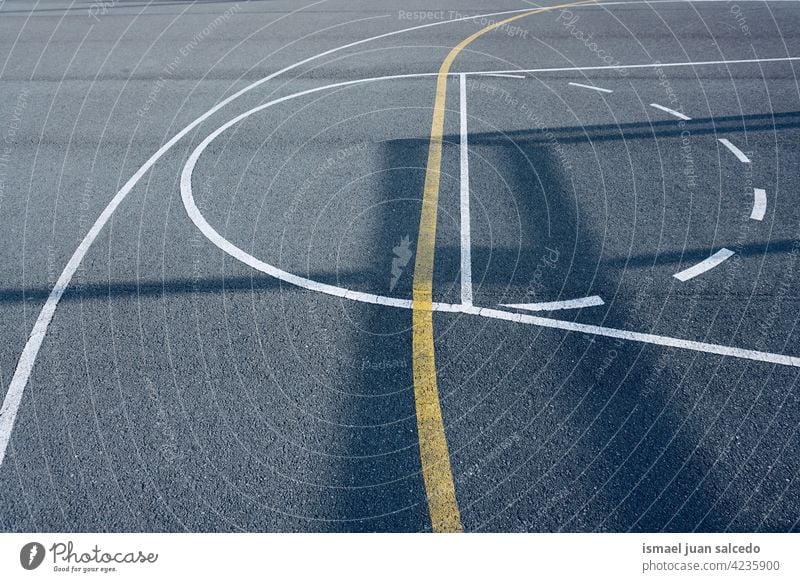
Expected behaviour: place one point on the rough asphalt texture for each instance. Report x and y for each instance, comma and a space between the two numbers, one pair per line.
178, 389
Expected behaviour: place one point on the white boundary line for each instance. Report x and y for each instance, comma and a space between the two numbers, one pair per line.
759, 204
677, 114
591, 301
740, 155
466, 236
592, 87
704, 265
27, 359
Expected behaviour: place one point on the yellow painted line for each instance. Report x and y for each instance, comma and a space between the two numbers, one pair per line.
437, 473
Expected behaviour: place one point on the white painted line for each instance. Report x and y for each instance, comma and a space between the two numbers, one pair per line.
638, 66
759, 204
736, 151
704, 265
194, 214
27, 359
592, 87
635, 336
592, 301
466, 237
508, 75
677, 114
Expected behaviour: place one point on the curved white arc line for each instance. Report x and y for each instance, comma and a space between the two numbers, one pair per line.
248, 259
759, 204
704, 265
22, 372
223, 244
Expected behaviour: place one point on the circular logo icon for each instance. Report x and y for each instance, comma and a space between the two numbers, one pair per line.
31, 555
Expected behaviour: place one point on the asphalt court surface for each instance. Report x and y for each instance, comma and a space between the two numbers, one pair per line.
179, 388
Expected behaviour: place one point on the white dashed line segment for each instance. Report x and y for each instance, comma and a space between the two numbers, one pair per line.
677, 114
759, 204
592, 87
740, 155
704, 265
27, 359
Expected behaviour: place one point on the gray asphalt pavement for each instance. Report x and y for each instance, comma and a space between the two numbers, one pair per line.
179, 388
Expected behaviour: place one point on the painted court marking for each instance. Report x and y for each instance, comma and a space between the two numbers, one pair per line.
640, 66
466, 237
677, 114
592, 87
226, 246
592, 301
223, 244
740, 155
704, 265
27, 359
759, 204
506, 75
